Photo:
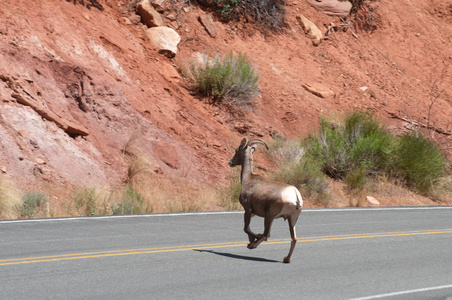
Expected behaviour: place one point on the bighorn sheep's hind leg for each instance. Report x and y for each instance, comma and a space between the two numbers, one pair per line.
292, 220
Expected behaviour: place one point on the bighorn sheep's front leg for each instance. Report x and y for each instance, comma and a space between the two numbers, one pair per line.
263, 237
251, 235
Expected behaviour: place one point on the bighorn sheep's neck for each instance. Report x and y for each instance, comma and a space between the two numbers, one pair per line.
247, 166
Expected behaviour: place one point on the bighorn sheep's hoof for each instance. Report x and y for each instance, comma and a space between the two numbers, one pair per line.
251, 246
286, 260
261, 236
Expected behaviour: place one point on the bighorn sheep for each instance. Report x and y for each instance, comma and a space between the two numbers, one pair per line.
262, 197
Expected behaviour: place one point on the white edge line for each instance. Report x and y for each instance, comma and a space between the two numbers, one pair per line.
308, 210
405, 292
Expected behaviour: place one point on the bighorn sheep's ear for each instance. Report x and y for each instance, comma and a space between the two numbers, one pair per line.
243, 143
254, 148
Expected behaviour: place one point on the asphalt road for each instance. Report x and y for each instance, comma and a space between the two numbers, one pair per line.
341, 254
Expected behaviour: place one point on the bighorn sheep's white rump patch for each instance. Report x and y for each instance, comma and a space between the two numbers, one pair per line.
292, 195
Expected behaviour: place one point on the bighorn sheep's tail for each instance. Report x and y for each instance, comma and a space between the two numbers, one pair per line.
299, 199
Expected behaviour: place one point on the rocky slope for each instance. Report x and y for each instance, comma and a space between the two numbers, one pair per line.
79, 83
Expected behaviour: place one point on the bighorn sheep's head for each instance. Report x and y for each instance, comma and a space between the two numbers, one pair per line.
246, 147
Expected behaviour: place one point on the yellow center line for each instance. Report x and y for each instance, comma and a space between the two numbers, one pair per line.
74, 256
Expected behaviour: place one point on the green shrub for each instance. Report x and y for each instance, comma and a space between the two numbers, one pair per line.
131, 203
360, 144
308, 176
356, 178
420, 162
85, 201
32, 202
267, 13
231, 80
226, 8
354, 150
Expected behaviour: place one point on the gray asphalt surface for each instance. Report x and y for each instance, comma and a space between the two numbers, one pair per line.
341, 254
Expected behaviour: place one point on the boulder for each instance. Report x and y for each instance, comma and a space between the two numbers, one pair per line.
209, 25
312, 31
372, 201
149, 15
164, 39
159, 5
319, 90
332, 7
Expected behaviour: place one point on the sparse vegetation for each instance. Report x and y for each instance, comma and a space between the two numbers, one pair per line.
230, 195
131, 202
230, 80
420, 162
308, 177
297, 169
32, 202
137, 162
285, 151
365, 16
9, 199
269, 14
358, 151
361, 143
85, 201
362, 148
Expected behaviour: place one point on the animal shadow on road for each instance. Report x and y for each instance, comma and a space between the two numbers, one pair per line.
236, 256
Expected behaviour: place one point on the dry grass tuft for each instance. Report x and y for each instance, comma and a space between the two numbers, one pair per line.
177, 195
9, 199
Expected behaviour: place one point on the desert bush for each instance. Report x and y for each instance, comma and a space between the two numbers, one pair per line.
308, 176
285, 151
230, 80
32, 202
267, 13
85, 200
365, 16
361, 143
131, 203
356, 179
420, 162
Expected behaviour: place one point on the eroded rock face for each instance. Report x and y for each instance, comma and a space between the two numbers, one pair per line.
164, 39
168, 154
61, 123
